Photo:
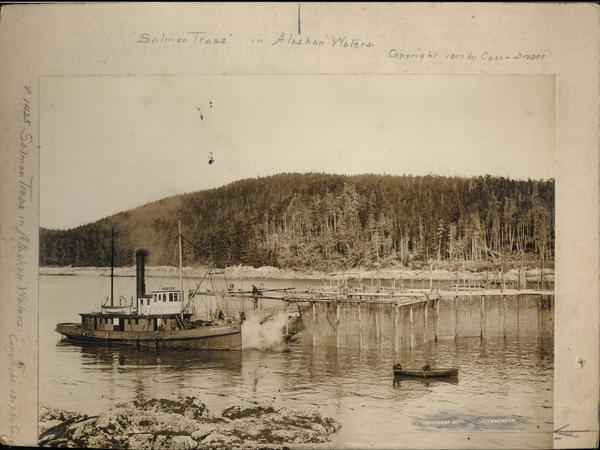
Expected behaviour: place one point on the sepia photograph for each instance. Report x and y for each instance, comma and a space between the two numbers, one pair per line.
297, 260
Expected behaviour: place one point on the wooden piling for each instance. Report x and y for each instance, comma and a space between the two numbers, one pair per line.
518, 315
396, 331
539, 316
410, 320
314, 323
503, 315
337, 323
454, 307
437, 319
287, 319
359, 328
377, 322
542, 275
425, 322
431, 277
481, 316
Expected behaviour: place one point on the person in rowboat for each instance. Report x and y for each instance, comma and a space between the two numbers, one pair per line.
397, 366
426, 367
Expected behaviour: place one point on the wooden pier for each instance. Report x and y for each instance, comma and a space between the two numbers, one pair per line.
411, 317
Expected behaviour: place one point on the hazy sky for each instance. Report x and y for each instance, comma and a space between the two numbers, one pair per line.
113, 143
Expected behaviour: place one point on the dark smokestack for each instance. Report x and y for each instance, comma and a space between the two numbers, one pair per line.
140, 265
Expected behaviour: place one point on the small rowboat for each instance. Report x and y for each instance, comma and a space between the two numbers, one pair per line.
433, 373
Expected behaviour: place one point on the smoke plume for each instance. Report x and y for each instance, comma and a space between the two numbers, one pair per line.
264, 336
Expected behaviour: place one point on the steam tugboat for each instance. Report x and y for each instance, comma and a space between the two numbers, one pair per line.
159, 319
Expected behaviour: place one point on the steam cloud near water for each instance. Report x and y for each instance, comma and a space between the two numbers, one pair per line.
265, 336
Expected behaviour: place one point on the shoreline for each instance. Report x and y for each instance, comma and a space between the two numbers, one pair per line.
185, 422
240, 272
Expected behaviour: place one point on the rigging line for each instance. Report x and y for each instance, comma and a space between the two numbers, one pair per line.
198, 286
271, 311
225, 290
191, 243
226, 281
215, 291
168, 267
117, 284
98, 290
149, 244
128, 283
221, 289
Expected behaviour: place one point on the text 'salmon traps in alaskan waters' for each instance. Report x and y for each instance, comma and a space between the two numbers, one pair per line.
159, 319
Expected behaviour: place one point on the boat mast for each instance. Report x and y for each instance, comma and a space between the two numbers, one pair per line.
112, 262
180, 265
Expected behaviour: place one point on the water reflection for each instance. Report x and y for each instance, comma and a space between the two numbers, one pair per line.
355, 384
403, 382
122, 357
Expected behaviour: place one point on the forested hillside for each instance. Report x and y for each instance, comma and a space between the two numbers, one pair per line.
329, 222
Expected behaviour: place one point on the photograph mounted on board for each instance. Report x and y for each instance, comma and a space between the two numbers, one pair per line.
323, 260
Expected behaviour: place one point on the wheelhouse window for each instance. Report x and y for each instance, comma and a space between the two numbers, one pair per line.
170, 296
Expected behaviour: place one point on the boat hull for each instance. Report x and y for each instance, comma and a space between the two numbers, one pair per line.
217, 337
435, 373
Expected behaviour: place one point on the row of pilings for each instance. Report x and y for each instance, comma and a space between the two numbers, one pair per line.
444, 316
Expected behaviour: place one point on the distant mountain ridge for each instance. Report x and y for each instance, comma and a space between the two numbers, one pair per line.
327, 222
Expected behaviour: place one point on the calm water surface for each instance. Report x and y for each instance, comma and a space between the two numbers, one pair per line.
509, 381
